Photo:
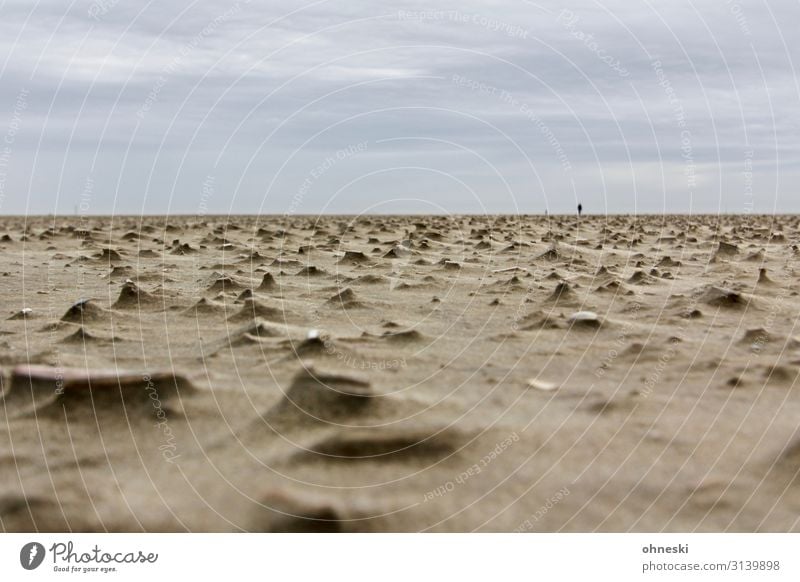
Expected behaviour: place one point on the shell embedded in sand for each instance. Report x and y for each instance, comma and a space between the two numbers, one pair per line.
585, 320
542, 385
24, 313
583, 316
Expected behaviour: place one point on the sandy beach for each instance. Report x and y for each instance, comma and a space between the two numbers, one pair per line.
399, 373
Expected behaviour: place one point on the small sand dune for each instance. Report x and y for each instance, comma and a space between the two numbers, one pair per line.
400, 373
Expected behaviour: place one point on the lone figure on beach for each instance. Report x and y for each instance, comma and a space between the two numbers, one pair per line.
580, 208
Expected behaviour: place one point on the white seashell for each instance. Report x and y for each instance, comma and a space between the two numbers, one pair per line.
583, 316
542, 385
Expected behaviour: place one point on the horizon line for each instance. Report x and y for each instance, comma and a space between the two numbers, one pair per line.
345, 214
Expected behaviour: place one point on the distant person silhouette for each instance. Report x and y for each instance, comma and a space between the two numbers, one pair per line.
580, 209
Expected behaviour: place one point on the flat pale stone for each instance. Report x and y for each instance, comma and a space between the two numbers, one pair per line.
584, 316
542, 385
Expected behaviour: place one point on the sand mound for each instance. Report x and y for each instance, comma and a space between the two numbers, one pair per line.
108, 256
354, 258
763, 278
725, 249
122, 272
85, 311
669, 262
344, 296
292, 512
223, 283
371, 279
268, 283
724, 298
85, 337
314, 347
551, 255
254, 309
255, 331
617, 405
44, 388
449, 265
756, 338
346, 299
245, 295
398, 252
512, 283
756, 257
285, 263
403, 337
131, 296
563, 294
640, 278
320, 396
34, 513
780, 374
789, 459
538, 320
252, 257
183, 249
388, 444
613, 287
205, 307
311, 271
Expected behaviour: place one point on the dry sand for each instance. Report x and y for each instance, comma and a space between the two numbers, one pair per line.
400, 374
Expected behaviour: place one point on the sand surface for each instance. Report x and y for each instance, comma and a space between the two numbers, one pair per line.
399, 374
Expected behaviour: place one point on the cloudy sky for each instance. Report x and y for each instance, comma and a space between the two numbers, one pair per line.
349, 106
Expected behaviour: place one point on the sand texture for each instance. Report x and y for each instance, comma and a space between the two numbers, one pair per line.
399, 374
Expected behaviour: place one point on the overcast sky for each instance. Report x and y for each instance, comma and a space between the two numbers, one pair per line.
349, 106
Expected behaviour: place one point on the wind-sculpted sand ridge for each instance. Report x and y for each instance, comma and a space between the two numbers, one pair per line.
391, 373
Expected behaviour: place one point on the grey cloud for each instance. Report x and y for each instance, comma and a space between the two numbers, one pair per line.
178, 91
